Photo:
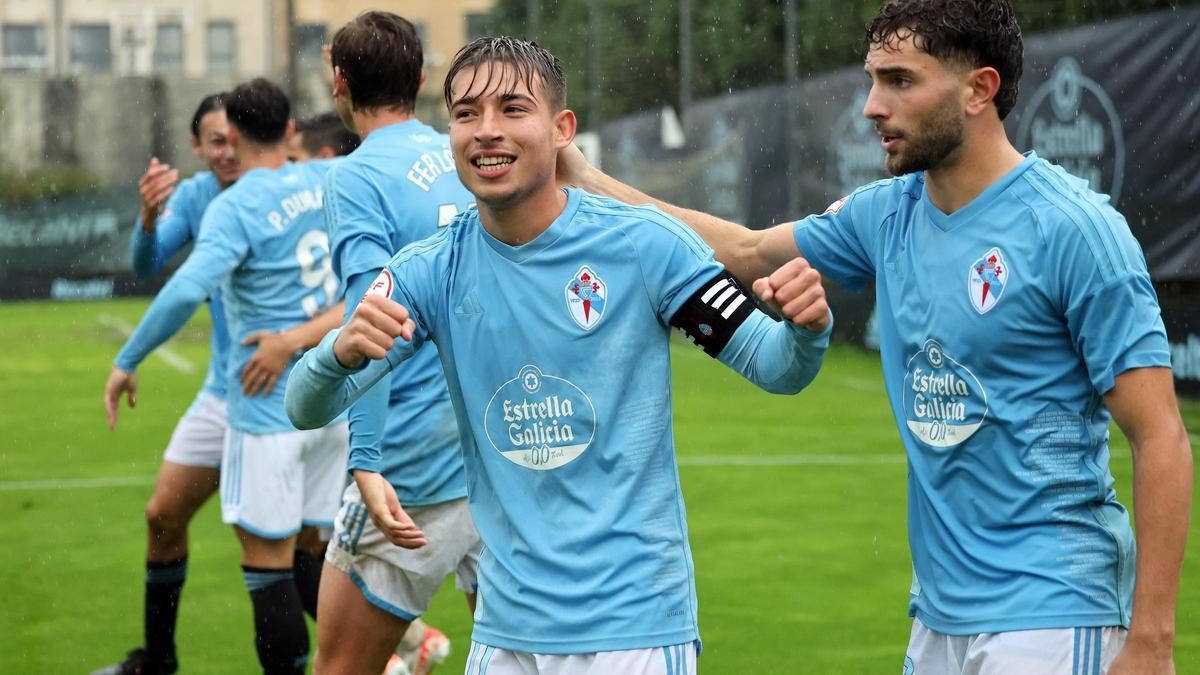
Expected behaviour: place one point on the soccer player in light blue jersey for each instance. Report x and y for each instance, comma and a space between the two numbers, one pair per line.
551, 310
169, 219
398, 187
263, 242
1016, 320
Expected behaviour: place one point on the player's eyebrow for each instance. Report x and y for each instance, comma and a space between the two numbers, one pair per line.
504, 98
885, 71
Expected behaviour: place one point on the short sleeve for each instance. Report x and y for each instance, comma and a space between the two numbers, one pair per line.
841, 242
1111, 309
355, 221
675, 262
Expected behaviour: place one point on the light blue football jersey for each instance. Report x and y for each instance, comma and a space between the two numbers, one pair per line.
263, 241
1001, 327
557, 357
175, 228
398, 187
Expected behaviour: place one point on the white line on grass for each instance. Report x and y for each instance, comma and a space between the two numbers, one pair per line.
164, 352
76, 484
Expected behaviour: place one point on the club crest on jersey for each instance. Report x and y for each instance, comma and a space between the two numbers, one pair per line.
586, 296
987, 279
382, 286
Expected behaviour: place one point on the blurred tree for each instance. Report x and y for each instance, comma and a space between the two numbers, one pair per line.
736, 45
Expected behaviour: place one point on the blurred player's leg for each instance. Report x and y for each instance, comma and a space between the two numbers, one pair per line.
186, 479
179, 492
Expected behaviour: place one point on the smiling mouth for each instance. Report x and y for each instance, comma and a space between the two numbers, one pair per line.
492, 164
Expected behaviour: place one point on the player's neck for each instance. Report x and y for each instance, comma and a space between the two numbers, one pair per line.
253, 156
367, 121
522, 222
983, 159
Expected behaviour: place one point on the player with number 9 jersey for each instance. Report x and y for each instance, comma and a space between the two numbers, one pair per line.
266, 242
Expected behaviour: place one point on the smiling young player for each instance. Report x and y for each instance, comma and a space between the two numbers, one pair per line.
570, 460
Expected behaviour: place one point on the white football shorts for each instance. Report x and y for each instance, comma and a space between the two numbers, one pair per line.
199, 437
271, 484
1052, 651
669, 660
398, 580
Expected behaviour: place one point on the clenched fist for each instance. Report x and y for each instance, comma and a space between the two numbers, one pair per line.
372, 330
795, 291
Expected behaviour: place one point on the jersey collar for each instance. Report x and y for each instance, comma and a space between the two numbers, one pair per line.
981, 202
544, 240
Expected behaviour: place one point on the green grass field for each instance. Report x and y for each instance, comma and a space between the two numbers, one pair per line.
796, 507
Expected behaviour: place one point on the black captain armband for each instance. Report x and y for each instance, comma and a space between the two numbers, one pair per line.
713, 314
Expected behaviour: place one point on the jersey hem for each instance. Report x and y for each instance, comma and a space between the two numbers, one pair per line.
585, 646
1009, 624
431, 500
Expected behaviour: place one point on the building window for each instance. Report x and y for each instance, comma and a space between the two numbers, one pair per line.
308, 39
168, 48
24, 47
91, 49
222, 45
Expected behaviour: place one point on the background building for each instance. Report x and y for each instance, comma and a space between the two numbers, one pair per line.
104, 84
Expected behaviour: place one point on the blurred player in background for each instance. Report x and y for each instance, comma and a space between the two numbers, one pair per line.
398, 187
551, 311
1016, 320
321, 136
169, 220
264, 242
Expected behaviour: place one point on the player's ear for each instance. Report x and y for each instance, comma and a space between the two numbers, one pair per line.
422, 82
565, 126
339, 82
981, 87
291, 129
196, 148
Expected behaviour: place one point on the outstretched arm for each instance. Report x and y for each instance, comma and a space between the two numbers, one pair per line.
747, 254
168, 313
1143, 404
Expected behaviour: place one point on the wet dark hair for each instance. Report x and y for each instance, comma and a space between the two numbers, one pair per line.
207, 104
326, 130
975, 33
260, 110
531, 62
379, 55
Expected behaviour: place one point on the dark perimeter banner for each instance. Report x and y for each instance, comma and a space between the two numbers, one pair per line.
1117, 103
